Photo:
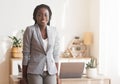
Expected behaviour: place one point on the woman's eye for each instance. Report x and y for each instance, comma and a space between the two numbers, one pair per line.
46, 15
40, 15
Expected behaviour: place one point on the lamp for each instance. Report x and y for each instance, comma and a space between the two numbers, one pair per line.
88, 40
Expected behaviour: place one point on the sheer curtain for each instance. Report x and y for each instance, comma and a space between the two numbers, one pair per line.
109, 58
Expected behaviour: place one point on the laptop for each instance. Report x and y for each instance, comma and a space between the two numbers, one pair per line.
71, 69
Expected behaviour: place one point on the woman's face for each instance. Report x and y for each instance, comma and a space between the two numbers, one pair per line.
42, 17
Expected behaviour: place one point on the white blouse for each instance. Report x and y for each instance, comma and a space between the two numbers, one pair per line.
45, 43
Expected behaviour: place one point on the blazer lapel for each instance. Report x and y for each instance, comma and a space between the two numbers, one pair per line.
39, 36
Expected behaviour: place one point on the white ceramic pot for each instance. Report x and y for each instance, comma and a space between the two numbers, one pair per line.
92, 73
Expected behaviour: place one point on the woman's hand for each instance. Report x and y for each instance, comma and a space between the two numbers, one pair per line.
58, 80
23, 81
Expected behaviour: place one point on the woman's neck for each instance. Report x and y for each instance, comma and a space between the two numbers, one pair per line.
42, 28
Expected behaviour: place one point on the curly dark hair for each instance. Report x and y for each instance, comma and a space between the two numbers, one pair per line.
42, 6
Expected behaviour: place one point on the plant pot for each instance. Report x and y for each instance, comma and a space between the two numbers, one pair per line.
16, 52
92, 72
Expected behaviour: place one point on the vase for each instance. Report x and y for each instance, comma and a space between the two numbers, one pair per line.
16, 52
92, 72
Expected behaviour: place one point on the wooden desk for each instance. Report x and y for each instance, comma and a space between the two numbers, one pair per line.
84, 80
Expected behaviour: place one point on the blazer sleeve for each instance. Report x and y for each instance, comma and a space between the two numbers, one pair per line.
56, 50
26, 45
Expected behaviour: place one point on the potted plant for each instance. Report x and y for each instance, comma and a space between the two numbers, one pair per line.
16, 46
15, 41
91, 68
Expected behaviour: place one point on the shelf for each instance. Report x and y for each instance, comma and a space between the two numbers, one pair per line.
14, 65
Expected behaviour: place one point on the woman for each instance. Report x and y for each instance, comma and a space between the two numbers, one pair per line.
41, 49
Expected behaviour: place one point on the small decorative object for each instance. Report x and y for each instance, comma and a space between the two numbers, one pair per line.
75, 47
83, 49
91, 68
67, 53
76, 40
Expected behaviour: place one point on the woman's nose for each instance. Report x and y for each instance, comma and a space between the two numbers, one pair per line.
43, 17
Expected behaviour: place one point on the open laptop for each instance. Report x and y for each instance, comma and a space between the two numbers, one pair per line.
71, 69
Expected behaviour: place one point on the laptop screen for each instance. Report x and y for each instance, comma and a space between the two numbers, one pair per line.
71, 69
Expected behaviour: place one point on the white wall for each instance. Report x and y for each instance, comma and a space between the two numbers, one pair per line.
94, 13
110, 39
71, 17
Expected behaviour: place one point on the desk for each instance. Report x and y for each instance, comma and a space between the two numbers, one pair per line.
83, 80
15, 62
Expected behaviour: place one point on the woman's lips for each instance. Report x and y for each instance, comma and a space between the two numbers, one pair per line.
43, 21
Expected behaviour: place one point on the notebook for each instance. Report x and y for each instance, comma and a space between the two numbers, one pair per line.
71, 69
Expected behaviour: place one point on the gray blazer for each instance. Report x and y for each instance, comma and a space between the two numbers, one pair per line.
34, 54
